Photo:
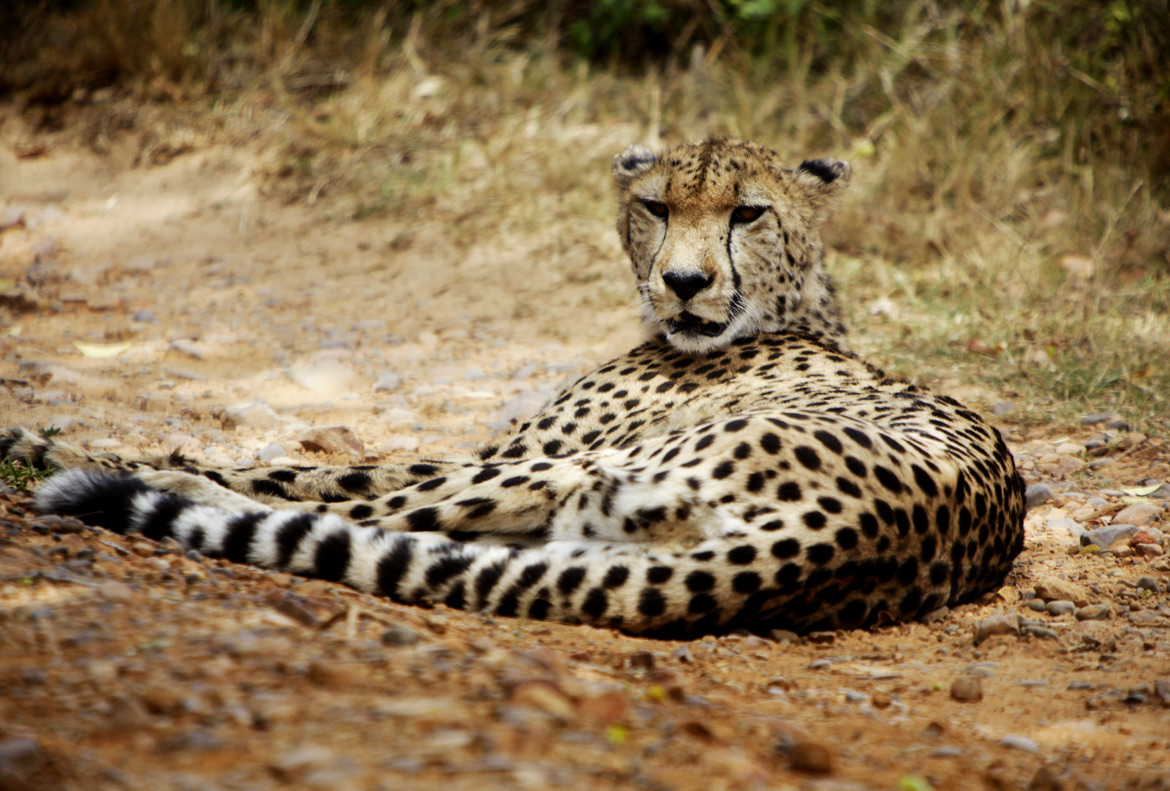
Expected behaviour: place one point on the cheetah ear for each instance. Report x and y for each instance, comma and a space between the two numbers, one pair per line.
820, 180
631, 163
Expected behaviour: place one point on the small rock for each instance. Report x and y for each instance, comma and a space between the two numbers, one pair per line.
255, 414
1020, 743
1039, 632
335, 674
1065, 525
880, 700
544, 696
967, 689
335, 439
1058, 588
1149, 550
1002, 408
271, 451
399, 635
1162, 691
1037, 493
115, 591
143, 549
1118, 424
783, 636
811, 756
328, 377
1106, 536
1097, 419
387, 381
1148, 583
682, 654
996, 624
20, 761
641, 660
1060, 607
1139, 514
1094, 612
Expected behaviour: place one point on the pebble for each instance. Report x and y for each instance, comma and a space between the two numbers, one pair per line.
1020, 743
1001, 408
1040, 632
255, 414
115, 591
1037, 493
1149, 550
334, 439
811, 756
20, 761
1098, 419
1036, 605
1094, 612
1162, 691
269, 452
1139, 514
1066, 525
400, 635
1060, 607
996, 624
1058, 589
387, 382
1108, 535
967, 689
1148, 583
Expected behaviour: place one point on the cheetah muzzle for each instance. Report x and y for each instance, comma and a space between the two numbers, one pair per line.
740, 468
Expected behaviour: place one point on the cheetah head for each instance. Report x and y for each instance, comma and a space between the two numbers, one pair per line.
724, 240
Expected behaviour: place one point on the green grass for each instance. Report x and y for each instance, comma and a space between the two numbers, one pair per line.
1012, 172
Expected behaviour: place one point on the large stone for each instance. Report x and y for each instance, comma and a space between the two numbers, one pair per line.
335, 439
1058, 589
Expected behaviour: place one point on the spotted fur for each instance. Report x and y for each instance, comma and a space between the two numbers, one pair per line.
741, 468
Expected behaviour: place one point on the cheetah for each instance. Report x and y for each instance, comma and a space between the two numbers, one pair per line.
740, 468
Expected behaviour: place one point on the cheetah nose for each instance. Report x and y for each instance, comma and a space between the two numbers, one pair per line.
686, 285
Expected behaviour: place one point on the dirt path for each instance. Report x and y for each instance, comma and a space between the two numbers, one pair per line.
175, 307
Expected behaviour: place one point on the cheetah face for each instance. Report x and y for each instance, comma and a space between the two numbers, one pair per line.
722, 238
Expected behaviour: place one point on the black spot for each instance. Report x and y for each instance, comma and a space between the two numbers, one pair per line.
722, 470
703, 556
821, 554
515, 480
540, 466
570, 579
869, 524
770, 443
486, 474
705, 442
846, 538
939, 571
775, 524
808, 457
423, 520
479, 506
514, 452
830, 504
735, 425
596, 603
741, 556
651, 602
908, 571
860, 437
433, 483
928, 549
237, 540
699, 581
361, 511
924, 481
656, 575
422, 470
355, 482
285, 476
814, 520
745, 582
888, 479
263, 486
829, 441
701, 602
856, 466
551, 447
615, 577
547, 423
789, 491
786, 548
846, 486
332, 555
742, 451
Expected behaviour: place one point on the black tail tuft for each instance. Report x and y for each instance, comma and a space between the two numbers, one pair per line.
95, 498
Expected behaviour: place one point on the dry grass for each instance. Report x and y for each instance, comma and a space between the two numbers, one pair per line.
1011, 197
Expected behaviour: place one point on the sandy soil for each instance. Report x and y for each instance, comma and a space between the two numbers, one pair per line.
140, 307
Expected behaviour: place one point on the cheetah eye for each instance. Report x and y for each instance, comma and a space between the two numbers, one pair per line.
746, 214
657, 208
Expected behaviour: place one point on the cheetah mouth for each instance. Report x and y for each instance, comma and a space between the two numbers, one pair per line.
689, 323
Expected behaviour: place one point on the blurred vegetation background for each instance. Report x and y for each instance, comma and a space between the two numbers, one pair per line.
1010, 224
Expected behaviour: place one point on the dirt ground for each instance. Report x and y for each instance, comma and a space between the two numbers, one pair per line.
147, 308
